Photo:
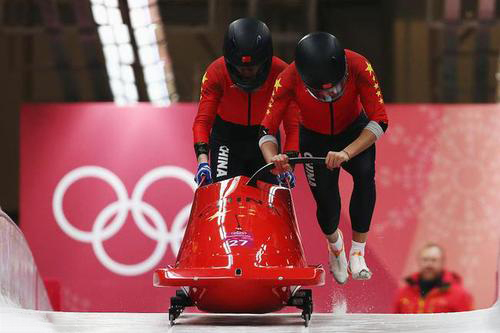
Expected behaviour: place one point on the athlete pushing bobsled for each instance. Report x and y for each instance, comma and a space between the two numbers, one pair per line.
342, 114
323, 78
235, 91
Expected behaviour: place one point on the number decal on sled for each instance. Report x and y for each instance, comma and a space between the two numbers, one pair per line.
237, 242
239, 238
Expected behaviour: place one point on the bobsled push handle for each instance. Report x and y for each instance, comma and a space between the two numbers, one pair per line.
292, 161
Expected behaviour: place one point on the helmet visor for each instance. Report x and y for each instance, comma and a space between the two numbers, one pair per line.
249, 77
248, 72
330, 94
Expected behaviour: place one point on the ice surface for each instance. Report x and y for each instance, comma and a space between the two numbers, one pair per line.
14, 320
20, 297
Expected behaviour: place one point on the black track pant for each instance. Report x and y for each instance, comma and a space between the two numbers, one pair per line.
324, 183
234, 151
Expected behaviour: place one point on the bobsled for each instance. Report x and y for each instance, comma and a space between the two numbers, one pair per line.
242, 251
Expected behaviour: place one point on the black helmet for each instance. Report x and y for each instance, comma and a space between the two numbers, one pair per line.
321, 63
248, 53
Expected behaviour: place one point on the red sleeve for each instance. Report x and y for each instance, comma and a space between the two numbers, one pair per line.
291, 122
370, 91
281, 109
464, 302
211, 92
397, 302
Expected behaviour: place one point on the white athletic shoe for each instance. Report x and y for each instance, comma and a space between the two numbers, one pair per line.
358, 268
338, 262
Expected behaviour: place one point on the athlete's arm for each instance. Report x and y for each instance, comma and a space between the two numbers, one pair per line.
370, 94
373, 103
276, 111
211, 92
291, 121
335, 158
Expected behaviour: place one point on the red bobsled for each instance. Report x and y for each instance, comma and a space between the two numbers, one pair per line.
241, 252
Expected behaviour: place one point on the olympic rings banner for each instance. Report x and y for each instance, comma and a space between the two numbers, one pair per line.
106, 193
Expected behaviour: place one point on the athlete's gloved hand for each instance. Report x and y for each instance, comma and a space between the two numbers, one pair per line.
281, 164
334, 159
286, 179
204, 174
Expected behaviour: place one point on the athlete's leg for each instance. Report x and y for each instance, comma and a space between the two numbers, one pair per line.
362, 169
323, 184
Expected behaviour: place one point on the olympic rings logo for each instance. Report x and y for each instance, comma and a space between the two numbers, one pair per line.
120, 209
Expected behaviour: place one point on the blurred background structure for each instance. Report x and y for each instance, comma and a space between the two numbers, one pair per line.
432, 51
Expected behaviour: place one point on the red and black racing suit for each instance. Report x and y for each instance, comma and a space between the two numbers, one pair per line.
332, 126
229, 118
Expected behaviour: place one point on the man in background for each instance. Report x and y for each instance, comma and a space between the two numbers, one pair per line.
433, 289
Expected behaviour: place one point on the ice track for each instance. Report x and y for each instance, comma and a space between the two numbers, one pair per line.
21, 320
17, 297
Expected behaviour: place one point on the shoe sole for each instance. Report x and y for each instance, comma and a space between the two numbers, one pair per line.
340, 282
360, 276
346, 278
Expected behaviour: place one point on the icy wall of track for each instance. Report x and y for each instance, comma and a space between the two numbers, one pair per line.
20, 283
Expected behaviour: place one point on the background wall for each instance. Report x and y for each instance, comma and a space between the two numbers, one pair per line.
437, 181
423, 51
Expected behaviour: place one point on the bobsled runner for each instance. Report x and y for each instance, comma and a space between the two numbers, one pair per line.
242, 251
